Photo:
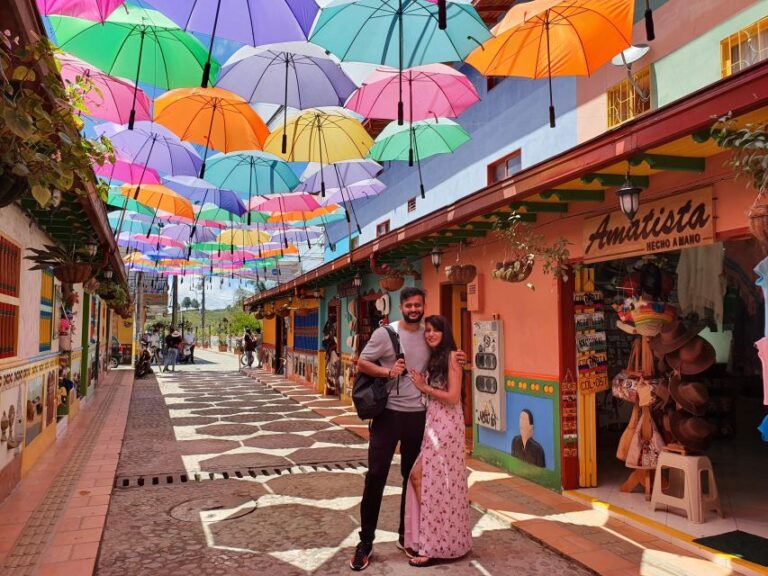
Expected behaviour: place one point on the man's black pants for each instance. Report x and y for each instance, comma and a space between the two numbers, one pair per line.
386, 431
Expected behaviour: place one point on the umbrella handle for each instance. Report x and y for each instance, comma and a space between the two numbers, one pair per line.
650, 33
207, 67
132, 116
442, 14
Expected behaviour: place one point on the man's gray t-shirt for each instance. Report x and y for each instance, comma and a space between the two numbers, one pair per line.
379, 348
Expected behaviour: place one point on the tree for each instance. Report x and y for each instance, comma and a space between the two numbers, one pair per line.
240, 320
186, 303
194, 304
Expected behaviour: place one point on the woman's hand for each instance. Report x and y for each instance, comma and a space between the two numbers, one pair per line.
419, 380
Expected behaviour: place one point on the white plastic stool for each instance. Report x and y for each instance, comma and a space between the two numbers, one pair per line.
692, 501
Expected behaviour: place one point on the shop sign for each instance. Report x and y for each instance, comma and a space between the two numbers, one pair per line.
680, 221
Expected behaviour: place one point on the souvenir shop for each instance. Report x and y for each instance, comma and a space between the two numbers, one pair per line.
668, 337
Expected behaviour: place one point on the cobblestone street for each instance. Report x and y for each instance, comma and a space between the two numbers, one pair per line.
278, 488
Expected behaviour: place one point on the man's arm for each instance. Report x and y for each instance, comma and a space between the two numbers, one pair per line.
373, 351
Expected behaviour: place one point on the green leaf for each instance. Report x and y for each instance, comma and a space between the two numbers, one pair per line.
19, 124
22, 73
20, 169
41, 194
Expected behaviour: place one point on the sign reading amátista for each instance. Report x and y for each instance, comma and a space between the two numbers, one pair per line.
680, 221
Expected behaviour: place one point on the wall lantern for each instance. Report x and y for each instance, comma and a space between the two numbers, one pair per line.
108, 274
629, 198
357, 281
55, 198
436, 256
91, 248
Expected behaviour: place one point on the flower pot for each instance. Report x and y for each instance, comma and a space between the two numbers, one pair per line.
222, 347
91, 286
73, 273
758, 223
392, 282
11, 189
460, 273
515, 270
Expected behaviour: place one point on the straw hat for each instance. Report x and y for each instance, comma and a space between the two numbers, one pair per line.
175, 334
672, 337
693, 357
692, 396
382, 305
693, 432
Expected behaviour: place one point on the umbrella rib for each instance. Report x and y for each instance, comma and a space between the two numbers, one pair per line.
162, 57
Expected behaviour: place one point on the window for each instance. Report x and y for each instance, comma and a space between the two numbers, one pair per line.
10, 278
629, 99
411, 204
46, 310
505, 167
746, 47
382, 228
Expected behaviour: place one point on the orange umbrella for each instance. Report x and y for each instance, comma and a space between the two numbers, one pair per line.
302, 215
546, 38
159, 197
212, 117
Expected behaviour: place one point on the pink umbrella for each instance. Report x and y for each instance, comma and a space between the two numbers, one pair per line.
294, 202
434, 90
126, 172
110, 99
159, 240
97, 10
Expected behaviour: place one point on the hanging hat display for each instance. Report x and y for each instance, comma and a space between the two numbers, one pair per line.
693, 432
694, 357
672, 337
691, 396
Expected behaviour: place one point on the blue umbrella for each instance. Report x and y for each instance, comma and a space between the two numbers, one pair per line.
201, 192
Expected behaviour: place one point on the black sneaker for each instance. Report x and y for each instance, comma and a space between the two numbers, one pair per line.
362, 557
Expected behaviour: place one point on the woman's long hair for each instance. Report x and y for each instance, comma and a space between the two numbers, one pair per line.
441, 356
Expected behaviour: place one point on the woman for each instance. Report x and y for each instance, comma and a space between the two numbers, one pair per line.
437, 523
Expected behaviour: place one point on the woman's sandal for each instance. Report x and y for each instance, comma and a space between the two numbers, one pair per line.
423, 561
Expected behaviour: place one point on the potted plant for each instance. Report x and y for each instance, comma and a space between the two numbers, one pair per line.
41, 149
526, 246
460, 273
749, 158
222, 334
392, 278
66, 264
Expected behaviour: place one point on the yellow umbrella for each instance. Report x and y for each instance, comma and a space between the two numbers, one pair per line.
137, 259
159, 197
238, 237
546, 38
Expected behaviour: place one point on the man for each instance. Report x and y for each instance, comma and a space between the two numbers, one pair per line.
402, 420
172, 342
249, 346
258, 342
524, 446
190, 341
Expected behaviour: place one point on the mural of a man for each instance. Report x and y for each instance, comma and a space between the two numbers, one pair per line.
524, 446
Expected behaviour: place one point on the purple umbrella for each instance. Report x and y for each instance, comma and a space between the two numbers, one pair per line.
201, 192
338, 174
356, 191
253, 22
182, 233
295, 74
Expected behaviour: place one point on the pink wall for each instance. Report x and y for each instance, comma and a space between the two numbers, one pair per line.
677, 23
531, 325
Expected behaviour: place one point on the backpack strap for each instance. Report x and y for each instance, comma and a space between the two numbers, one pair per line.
394, 337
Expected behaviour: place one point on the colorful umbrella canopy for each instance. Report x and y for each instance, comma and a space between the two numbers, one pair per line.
156, 147
185, 234
546, 38
117, 200
243, 237
338, 174
98, 10
108, 98
253, 22
295, 74
355, 191
212, 117
398, 33
161, 240
135, 43
300, 216
215, 215
203, 192
281, 203
126, 172
131, 225
159, 197
424, 139
433, 90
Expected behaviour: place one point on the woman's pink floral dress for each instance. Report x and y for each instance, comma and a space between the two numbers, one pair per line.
440, 527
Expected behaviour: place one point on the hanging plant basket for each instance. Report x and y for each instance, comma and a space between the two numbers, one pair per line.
460, 273
758, 223
517, 270
11, 189
391, 282
73, 272
91, 286
284, 311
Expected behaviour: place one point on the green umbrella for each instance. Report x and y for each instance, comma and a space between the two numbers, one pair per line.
117, 200
426, 138
214, 214
136, 43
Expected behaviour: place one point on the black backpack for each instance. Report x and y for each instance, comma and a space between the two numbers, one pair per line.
369, 394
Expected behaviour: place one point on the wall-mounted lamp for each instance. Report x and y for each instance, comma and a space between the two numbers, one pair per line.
91, 248
55, 198
629, 198
436, 256
357, 281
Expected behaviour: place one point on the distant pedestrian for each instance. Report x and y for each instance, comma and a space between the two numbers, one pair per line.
258, 343
190, 341
249, 345
172, 343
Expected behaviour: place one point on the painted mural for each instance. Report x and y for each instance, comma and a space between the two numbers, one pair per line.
34, 409
11, 422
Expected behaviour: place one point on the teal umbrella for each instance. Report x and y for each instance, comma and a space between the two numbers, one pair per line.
136, 43
117, 200
399, 33
426, 137
251, 174
130, 225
